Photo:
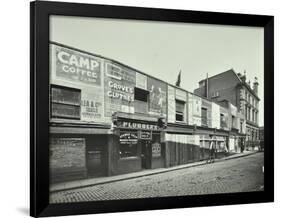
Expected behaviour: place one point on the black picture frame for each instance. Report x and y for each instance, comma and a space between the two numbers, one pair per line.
39, 107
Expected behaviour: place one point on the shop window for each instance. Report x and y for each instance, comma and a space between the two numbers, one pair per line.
128, 144
65, 102
204, 116
180, 105
128, 150
141, 98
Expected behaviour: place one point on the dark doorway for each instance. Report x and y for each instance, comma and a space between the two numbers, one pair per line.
145, 154
96, 164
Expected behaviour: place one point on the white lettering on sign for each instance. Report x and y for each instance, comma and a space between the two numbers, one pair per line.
82, 62
138, 125
121, 96
120, 87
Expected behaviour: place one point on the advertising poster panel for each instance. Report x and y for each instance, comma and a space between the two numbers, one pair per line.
171, 105
197, 104
92, 108
74, 66
119, 83
157, 96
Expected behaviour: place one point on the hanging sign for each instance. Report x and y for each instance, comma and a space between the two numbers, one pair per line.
145, 135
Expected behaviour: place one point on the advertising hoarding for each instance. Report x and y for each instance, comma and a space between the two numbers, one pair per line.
119, 83
74, 66
157, 96
92, 108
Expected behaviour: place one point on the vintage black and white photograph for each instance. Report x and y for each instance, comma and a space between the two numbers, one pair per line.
146, 109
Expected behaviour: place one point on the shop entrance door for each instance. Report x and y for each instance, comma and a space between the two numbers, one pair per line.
95, 161
145, 154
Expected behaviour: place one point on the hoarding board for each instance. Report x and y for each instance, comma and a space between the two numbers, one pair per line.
74, 66
157, 96
119, 83
171, 104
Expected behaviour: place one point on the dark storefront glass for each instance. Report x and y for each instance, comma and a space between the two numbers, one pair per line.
128, 144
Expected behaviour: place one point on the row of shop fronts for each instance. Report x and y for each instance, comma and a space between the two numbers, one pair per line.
108, 119
79, 152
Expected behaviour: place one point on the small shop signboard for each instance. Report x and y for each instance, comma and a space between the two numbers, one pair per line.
145, 135
128, 137
156, 149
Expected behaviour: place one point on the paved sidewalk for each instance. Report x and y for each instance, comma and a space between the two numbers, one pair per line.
102, 180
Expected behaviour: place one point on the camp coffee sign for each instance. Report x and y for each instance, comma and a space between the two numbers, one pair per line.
76, 66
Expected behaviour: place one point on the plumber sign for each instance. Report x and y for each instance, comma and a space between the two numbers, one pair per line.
76, 66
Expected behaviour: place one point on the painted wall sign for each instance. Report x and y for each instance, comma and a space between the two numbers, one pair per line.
137, 125
141, 81
171, 105
156, 149
67, 153
92, 108
76, 66
119, 83
157, 96
128, 137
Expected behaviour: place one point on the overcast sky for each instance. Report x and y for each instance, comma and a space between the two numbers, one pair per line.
162, 49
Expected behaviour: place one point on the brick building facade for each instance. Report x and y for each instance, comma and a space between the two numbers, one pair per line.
233, 88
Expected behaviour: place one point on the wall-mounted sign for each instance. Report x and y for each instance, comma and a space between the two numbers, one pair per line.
128, 137
76, 66
92, 107
137, 125
119, 83
145, 135
157, 96
156, 149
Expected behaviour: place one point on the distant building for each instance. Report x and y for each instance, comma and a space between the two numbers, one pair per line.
233, 88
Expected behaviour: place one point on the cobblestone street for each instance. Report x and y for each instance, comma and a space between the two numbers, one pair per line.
235, 175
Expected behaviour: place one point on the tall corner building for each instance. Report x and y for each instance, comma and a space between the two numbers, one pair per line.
233, 88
